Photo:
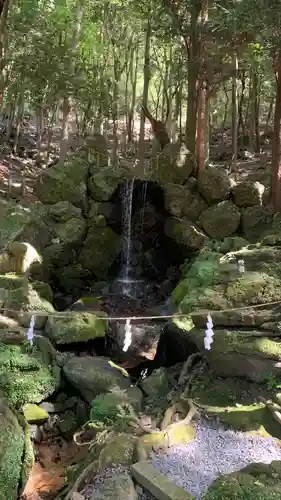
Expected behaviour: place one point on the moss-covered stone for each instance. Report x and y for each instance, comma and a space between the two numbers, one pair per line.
254, 482
24, 377
33, 414
117, 487
81, 327
64, 182
220, 220
12, 443
63, 211
101, 248
235, 402
13, 218
109, 407
214, 185
119, 451
72, 231
92, 376
35, 297
157, 384
102, 184
68, 424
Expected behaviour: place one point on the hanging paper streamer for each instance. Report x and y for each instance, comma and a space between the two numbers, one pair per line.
241, 266
128, 335
30, 331
209, 333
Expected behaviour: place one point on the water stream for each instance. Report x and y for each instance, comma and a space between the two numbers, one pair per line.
127, 206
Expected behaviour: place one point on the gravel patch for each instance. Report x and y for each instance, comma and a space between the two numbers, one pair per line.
215, 451
195, 466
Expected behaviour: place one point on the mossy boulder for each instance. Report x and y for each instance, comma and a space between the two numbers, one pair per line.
109, 406
92, 376
118, 451
255, 221
186, 233
220, 220
71, 231
64, 182
18, 258
248, 193
214, 185
63, 211
101, 248
157, 384
117, 487
81, 327
25, 377
235, 401
238, 353
29, 297
254, 482
13, 218
232, 244
12, 443
173, 164
67, 424
183, 202
102, 184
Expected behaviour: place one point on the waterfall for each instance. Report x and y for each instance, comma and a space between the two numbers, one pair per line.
128, 335
127, 206
143, 200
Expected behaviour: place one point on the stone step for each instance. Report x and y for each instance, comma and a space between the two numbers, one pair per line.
157, 484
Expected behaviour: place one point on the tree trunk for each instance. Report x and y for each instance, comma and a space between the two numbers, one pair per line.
276, 144
201, 128
241, 123
66, 105
4, 9
115, 109
146, 80
234, 113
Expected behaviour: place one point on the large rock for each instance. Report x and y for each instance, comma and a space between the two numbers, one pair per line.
18, 258
97, 147
103, 183
81, 327
101, 248
186, 233
11, 453
248, 193
237, 353
26, 377
255, 221
64, 182
118, 487
13, 218
71, 232
92, 376
174, 164
221, 220
63, 211
183, 202
214, 185
35, 297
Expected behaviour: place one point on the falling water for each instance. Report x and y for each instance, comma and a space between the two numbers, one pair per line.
143, 200
128, 335
127, 225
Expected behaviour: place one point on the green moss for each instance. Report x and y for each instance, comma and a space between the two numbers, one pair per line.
33, 414
11, 452
28, 458
254, 288
24, 378
114, 407
79, 328
12, 281
234, 401
119, 451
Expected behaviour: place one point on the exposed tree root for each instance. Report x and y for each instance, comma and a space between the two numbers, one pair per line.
187, 367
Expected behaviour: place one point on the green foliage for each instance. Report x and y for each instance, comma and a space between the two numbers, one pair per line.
110, 409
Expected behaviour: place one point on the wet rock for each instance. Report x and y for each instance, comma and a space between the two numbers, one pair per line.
214, 185
118, 487
255, 221
63, 211
221, 220
186, 233
248, 193
82, 327
157, 384
64, 182
12, 449
93, 376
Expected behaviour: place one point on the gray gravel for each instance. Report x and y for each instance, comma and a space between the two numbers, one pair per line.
213, 452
